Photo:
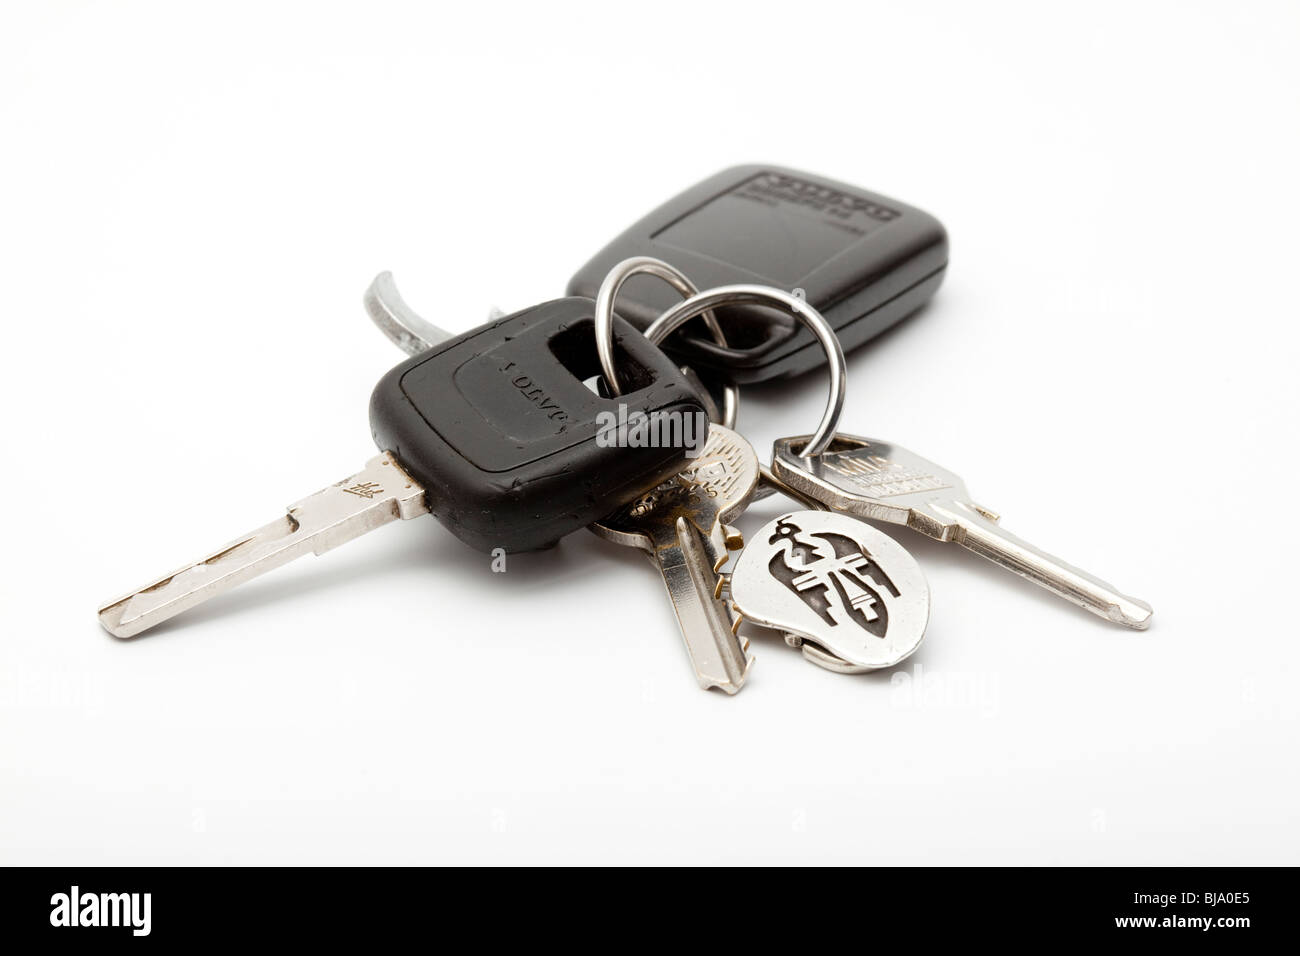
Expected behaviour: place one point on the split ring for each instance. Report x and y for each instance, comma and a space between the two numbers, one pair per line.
810, 317
609, 288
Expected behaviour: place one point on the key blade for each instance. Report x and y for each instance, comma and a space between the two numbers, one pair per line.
881, 481
977, 533
683, 524
380, 493
720, 657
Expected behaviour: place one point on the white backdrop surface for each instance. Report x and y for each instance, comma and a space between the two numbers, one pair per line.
192, 205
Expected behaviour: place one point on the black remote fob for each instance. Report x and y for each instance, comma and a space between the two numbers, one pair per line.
513, 450
863, 260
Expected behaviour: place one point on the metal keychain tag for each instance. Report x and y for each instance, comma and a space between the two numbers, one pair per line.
852, 596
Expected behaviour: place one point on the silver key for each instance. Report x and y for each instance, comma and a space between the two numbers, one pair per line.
873, 479
846, 594
383, 492
683, 525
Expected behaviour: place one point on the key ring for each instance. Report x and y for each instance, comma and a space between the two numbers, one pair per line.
667, 323
609, 288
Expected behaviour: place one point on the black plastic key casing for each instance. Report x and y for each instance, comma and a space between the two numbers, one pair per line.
501, 432
865, 261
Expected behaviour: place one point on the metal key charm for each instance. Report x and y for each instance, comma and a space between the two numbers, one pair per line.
683, 524
846, 594
881, 481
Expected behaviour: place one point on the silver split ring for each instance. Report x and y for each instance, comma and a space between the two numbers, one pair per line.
810, 317
609, 288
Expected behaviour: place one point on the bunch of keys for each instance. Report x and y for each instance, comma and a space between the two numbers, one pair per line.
846, 594
498, 433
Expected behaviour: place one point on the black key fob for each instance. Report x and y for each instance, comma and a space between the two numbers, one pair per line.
513, 450
863, 260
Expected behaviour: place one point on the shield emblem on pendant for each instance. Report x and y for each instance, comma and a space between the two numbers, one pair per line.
836, 582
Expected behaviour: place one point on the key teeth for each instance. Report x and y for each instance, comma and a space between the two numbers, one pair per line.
737, 620
731, 539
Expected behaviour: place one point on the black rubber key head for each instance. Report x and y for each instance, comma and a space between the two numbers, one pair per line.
499, 428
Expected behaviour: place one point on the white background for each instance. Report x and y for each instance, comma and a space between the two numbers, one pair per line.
191, 204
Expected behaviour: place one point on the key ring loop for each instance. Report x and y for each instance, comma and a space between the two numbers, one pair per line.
609, 289
810, 317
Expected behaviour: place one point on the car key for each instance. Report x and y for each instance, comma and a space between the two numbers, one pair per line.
683, 524
881, 481
863, 260
493, 432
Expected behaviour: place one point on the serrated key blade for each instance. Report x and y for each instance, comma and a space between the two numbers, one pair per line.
380, 493
719, 656
983, 537
881, 481
682, 524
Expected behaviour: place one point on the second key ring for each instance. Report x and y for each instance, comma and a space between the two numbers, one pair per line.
609, 288
683, 312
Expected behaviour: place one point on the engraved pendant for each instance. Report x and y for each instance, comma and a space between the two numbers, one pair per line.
850, 596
